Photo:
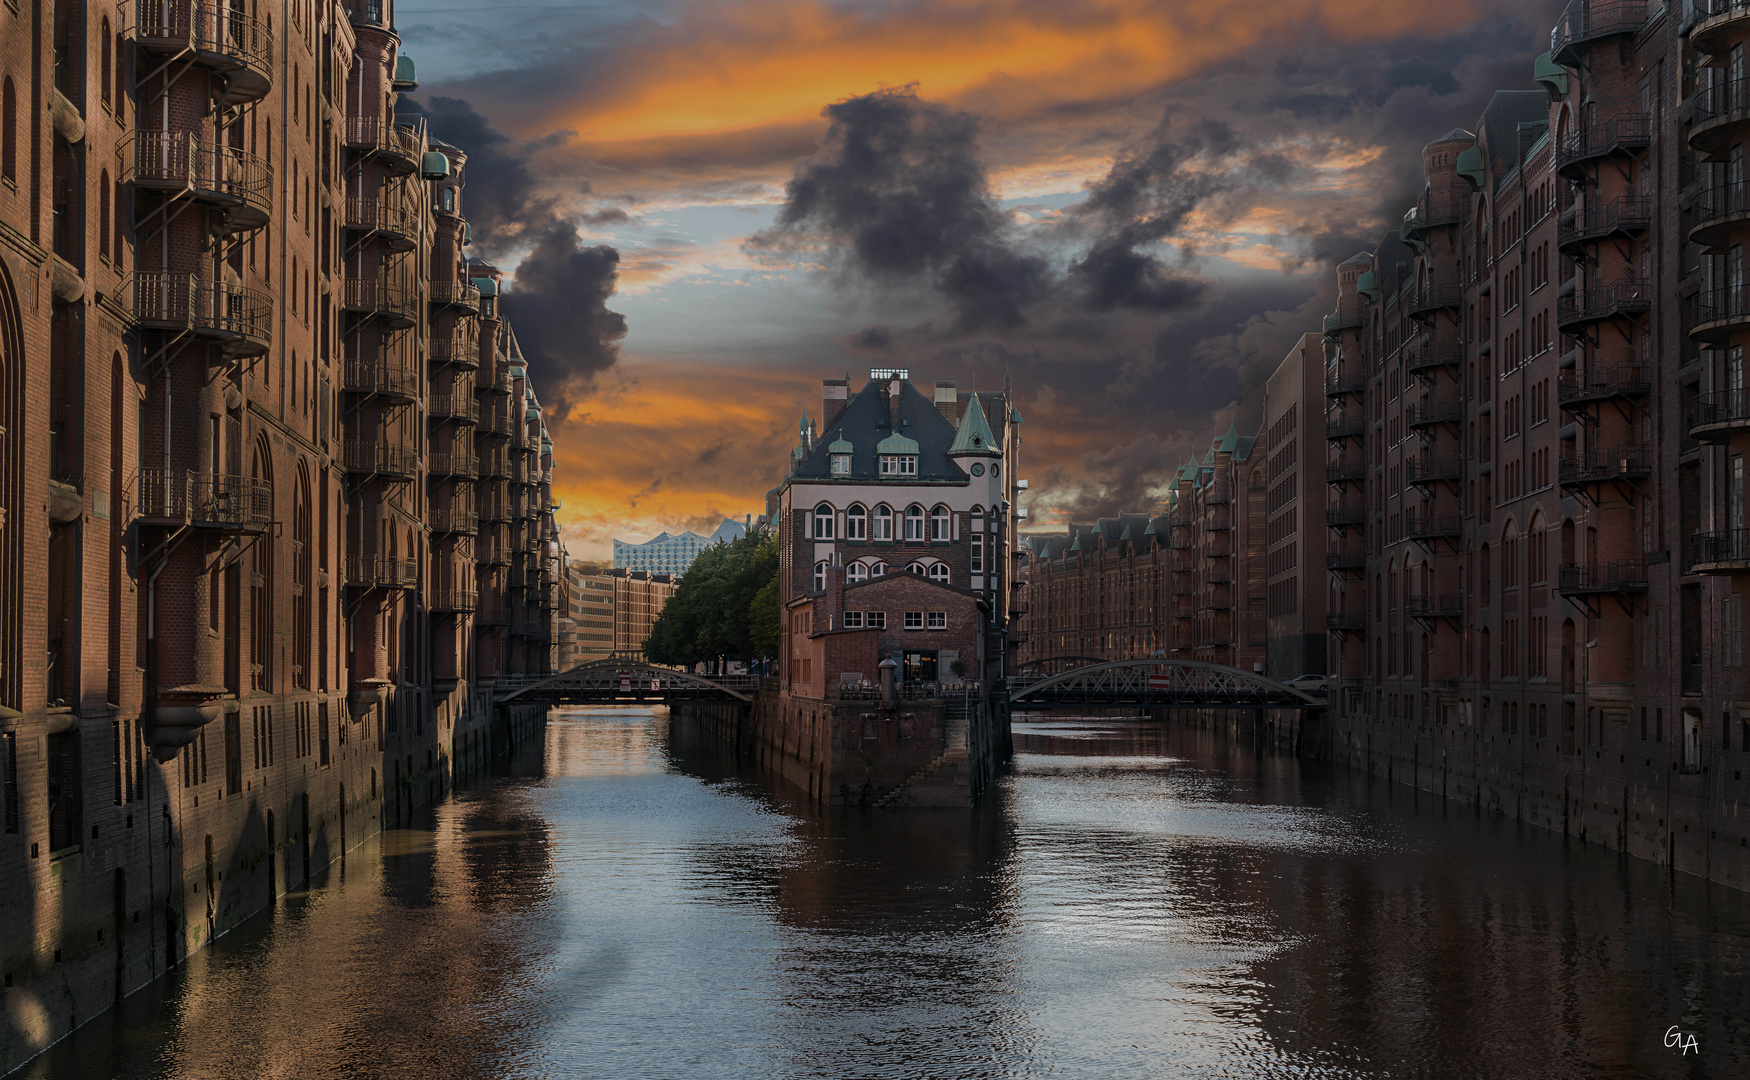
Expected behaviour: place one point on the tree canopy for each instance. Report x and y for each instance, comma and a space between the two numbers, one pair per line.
725, 607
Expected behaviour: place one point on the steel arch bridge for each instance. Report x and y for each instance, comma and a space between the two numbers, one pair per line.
603, 682
1181, 684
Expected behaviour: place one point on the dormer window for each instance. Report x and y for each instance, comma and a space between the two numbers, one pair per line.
899, 465
841, 464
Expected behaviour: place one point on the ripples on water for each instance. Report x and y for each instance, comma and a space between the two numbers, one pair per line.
1134, 901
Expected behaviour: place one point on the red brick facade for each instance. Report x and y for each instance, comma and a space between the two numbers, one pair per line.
253, 596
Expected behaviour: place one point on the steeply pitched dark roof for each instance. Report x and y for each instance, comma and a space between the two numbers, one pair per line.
1506, 113
866, 420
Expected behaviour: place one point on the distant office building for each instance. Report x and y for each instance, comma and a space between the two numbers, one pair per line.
612, 610
666, 554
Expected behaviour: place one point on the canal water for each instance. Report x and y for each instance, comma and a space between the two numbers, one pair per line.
1134, 900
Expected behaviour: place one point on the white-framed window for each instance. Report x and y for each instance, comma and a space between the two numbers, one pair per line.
916, 568
878, 570
995, 470
899, 465
853, 620
874, 620
856, 523
823, 522
977, 565
939, 523
914, 522
914, 620
819, 577
857, 572
841, 464
883, 522
978, 519
939, 572
937, 620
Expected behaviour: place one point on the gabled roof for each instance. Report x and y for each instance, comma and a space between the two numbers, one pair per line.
866, 424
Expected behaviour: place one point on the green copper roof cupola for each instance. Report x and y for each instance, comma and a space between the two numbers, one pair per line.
974, 436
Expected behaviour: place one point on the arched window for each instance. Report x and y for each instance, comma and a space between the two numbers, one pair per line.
121, 224
823, 522
939, 572
878, 570
978, 519
303, 564
857, 572
121, 71
103, 215
8, 131
914, 522
917, 568
820, 577
260, 599
884, 522
856, 523
939, 523
104, 72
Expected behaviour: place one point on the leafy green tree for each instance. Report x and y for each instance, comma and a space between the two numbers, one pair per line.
716, 613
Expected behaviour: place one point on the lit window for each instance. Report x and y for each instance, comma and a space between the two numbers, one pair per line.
856, 523
939, 523
883, 522
914, 522
841, 464
819, 577
857, 571
899, 465
939, 572
823, 522
853, 620
914, 620
938, 620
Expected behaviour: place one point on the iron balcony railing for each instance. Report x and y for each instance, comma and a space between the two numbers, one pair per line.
1729, 305
368, 213
381, 571
381, 377
1343, 385
1604, 384
179, 161
1345, 427
1438, 355
1345, 622
459, 406
1717, 211
209, 500
453, 521
1346, 317
1435, 296
1721, 409
1432, 470
463, 349
204, 31
1628, 575
1343, 515
399, 147
1724, 99
491, 615
377, 459
447, 464
1625, 215
1583, 22
493, 511
241, 317
496, 466
374, 297
1428, 413
1432, 606
1346, 559
1598, 466
457, 293
453, 600
1345, 470
1431, 211
1431, 526
1710, 549
1619, 299
1625, 134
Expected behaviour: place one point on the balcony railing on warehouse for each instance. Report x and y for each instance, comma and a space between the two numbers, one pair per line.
1714, 552
1626, 575
393, 219
208, 500
444, 463
1626, 134
399, 147
453, 521
373, 458
460, 407
458, 293
459, 601
462, 349
382, 377
1626, 462
169, 162
372, 297
381, 571
220, 36
240, 317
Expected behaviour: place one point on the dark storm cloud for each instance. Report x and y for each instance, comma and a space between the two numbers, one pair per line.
558, 306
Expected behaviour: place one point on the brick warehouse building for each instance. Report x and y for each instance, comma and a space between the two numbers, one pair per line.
275, 506
1534, 412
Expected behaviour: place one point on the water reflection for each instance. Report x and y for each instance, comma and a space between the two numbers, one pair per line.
1135, 900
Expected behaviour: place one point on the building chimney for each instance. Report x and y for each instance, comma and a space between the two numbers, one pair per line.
948, 402
834, 395
895, 394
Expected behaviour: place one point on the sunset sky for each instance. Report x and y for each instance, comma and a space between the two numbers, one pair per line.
1133, 206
